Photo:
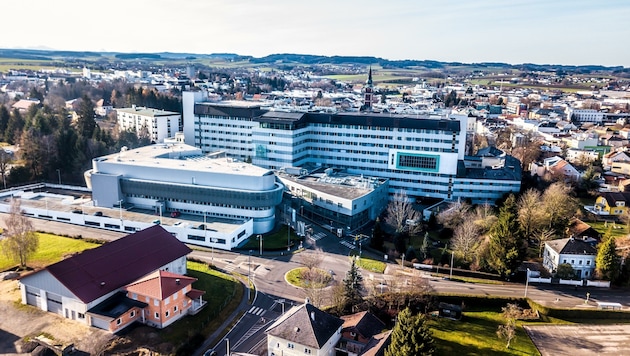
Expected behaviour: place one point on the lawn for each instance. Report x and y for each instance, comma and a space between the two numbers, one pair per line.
51, 249
476, 334
617, 229
369, 263
223, 294
296, 277
273, 241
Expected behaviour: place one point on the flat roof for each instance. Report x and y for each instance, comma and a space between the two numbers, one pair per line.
179, 156
340, 185
140, 110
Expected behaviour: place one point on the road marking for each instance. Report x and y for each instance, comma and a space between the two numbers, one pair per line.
256, 311
347, 244
318, 236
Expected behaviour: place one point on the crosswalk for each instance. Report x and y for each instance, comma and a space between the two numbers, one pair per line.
257, 311
318, 236
349, 245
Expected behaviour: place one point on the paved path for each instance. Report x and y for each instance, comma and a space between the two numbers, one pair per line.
578, 340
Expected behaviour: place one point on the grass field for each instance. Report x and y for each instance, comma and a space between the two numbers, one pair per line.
476, 334
51, 249
616, 230
274, 241
369, 264
222, 294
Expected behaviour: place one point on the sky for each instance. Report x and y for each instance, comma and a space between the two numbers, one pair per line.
569, 32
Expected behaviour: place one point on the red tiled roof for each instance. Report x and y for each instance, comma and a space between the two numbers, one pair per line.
195, 293
160, 284
96, 272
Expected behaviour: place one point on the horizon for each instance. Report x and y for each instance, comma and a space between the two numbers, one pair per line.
553, 32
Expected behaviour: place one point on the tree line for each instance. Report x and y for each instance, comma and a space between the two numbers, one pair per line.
55, 145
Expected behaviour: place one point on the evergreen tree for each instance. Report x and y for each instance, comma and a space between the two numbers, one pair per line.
607, 260
4, 119
378, 236
410, 336
352, 285
86, 124
505, 246
14, 127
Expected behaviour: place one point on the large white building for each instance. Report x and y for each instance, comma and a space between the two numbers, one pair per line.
422, 155
156, 124
180, 179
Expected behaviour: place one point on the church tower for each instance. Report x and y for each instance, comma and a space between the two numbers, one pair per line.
368, 93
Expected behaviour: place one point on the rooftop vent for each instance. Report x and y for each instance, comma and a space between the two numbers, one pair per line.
177, 281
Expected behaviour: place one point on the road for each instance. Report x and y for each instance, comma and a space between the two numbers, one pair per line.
268, 271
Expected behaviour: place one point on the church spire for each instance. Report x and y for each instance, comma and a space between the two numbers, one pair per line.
368, 93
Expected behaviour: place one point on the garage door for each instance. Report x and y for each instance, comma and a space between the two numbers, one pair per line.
32, 297
54, 303
100, 323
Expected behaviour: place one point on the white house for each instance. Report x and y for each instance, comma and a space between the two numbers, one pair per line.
579, 253
304, 330
157, 124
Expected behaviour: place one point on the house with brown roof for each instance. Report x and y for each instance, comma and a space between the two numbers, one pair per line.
362, 334
125, 280
304, 330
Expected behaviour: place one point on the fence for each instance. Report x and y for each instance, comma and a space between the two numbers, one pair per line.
602, 284
539, 280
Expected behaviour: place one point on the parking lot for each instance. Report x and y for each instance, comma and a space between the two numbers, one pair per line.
576, 340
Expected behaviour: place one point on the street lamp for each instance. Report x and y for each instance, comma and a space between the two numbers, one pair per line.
288, 237
249, 271
212, 241
120, 211
526, 283
59, 175
451, 275
403, 260
261, 243
227, 343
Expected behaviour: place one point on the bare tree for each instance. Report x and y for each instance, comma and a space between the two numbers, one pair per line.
20, 241
558, 206
484, 217
543, 235
399, 211
454, 215
312, 260
511, 313
529, 211
466, 238
5, 159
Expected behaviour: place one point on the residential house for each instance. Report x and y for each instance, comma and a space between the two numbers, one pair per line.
581, 230
614, 156
23, 105
621, 167
304, 330
557, 167
358, 332
578, 253
118, 283
610, 203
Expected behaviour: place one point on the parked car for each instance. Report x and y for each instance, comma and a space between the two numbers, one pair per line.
77, 211
156, 221
175, 214
98, 213
179, 223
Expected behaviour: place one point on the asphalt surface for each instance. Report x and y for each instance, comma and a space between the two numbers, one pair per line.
267, 272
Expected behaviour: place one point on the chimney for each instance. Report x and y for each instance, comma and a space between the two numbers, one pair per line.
177, 281
313, 315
